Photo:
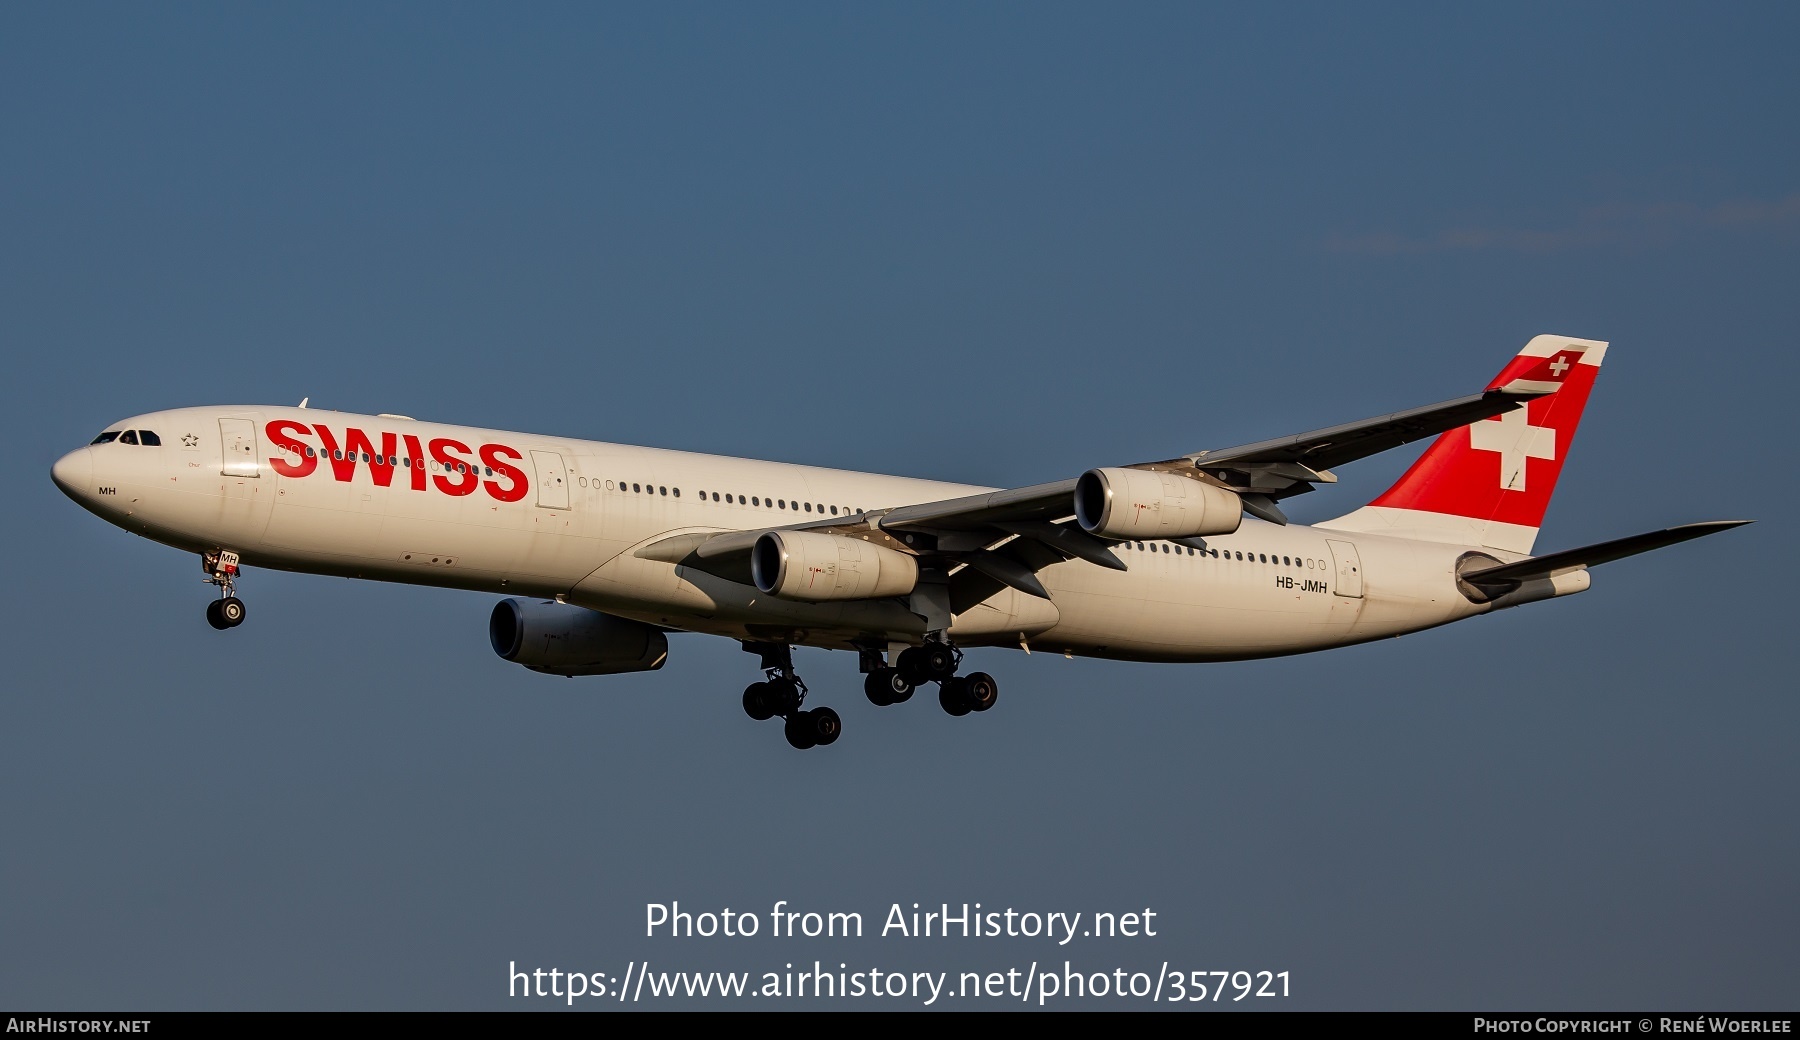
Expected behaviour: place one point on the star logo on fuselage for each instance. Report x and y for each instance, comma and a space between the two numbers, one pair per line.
188, 440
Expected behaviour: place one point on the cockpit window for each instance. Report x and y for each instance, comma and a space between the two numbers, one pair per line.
128, 437
149, 438
106, 438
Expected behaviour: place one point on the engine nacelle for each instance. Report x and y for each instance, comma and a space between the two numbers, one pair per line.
1135, 503
560, 639
808, 565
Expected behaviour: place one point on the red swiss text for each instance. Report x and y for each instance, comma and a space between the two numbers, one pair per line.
448, 465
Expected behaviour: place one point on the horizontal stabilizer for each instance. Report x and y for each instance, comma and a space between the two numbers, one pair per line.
1590, 555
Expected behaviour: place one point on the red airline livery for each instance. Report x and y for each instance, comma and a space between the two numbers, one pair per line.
461, 467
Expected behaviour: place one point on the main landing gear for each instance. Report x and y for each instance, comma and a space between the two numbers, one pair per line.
933, 662
782, 693
221, 569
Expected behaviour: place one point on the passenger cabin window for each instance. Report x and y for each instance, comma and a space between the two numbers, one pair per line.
106, 438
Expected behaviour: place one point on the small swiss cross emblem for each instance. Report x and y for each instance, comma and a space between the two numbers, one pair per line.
1559, 366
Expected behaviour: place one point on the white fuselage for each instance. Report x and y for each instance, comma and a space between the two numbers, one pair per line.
576, 530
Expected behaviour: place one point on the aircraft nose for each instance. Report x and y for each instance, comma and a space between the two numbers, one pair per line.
74, 473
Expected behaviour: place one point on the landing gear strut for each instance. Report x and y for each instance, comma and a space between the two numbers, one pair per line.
782, 693
221, 569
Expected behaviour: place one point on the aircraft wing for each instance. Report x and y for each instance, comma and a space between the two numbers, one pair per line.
1266, 471
1262, 471
1035, 524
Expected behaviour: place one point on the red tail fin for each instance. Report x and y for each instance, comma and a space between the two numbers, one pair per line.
1490, 482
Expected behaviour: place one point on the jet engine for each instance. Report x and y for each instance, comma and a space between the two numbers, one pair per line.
1135, 503
560, 639
808, 565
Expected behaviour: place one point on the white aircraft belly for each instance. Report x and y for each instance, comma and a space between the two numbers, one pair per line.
1188, 608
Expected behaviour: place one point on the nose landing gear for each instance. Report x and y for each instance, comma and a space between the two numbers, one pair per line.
221, 569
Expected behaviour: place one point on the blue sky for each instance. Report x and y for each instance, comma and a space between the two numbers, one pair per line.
991, 243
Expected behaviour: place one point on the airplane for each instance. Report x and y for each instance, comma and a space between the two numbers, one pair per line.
603, 549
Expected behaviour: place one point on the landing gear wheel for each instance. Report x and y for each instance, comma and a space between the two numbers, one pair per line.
231, 611
933, 662
953, 697
826, 726
885, 686
909, 667
214, 618
759, 703
939, 661
981, 691
784, 696
800, 730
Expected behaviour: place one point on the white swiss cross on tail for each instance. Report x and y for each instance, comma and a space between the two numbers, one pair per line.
1454, 494
1513, 436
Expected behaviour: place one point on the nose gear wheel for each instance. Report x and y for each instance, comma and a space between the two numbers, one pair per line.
221, 569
